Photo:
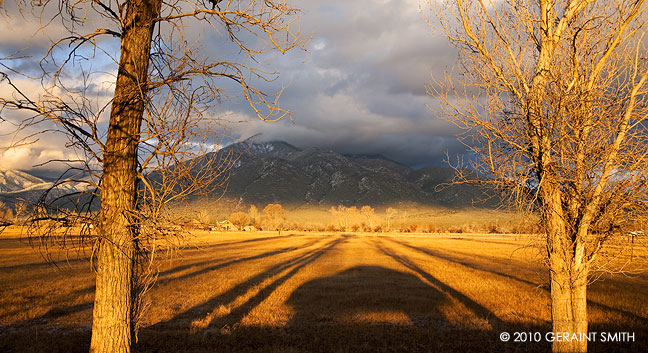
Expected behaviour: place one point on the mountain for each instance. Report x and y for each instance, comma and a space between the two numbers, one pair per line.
15, 181
16, 185
279, 172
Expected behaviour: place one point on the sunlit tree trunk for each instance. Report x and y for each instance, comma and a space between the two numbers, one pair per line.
567, 264
568, 275
111, 326
568, 278
568, 306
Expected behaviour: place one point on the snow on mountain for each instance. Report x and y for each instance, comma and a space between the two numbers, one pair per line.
275, 171
15, 180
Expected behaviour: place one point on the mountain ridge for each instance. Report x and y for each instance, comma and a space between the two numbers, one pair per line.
278, 172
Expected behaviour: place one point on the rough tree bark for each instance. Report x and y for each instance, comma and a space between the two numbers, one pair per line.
568, 279
112, 329
568, 273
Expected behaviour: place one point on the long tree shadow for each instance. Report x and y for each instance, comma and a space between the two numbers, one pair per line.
230, 262
464, 263
57, 311
378, 309
240, 242
360, 309
62, 310
479, 310
436, 254
203, 310
240, 312
368, 295
56, 264
368, 309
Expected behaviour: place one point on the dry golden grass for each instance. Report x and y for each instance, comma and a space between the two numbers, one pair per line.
319, 292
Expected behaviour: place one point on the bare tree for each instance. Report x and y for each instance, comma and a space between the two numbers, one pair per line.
389, 213
5, 216
254, 214
369, 213
162, 113
239, 219
20, 209
353, 217
274, 215
552, 97
340, 213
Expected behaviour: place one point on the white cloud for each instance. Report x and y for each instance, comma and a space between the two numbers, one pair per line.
33, 156
17, 158
361, 85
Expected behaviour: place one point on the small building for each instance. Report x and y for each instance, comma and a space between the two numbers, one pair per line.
225, 226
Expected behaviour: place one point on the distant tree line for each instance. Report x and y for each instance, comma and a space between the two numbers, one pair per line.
273, 217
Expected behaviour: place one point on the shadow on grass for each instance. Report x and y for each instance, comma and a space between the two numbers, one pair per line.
360, 309
368, 293
59, 311
203, 310
241, 242
54, 264
471, 265
479, 310
204, 270
479, 267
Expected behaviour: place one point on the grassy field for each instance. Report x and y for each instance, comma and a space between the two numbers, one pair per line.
320, 292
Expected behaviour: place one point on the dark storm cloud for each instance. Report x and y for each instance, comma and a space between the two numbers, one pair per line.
362, 87
359, 87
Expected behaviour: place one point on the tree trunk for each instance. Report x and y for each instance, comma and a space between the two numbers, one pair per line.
111, 325
569, 311
568, 273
